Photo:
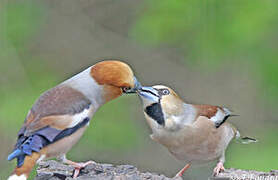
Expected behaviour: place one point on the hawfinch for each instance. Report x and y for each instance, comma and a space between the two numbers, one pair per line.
194, 134
60, 116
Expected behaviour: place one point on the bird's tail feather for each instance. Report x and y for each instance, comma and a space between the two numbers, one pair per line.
22, 172
244, 140
14, 154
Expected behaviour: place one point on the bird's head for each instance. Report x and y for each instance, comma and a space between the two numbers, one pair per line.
160, 102
115, 77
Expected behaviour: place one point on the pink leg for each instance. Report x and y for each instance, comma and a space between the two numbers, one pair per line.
78, 166
219, 167
181, 172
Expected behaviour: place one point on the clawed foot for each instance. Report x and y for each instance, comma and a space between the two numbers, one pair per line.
78, 166
219, 167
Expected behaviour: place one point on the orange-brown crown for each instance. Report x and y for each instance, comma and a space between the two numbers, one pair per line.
113, 75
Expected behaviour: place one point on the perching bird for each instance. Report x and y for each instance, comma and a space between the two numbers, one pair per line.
60, 116
195, 134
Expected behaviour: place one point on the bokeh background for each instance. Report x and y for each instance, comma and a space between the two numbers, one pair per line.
214, 52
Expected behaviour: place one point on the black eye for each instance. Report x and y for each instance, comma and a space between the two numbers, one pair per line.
165, 91
125, 89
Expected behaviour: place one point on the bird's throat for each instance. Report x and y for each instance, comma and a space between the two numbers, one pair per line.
155, 112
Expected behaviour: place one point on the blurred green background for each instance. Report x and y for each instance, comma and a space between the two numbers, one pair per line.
214, 52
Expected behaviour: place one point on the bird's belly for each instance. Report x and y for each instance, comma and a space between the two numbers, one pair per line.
195, 155
191, 146
64, 145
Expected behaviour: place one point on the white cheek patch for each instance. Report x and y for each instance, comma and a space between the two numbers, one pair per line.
77, 118
16, 177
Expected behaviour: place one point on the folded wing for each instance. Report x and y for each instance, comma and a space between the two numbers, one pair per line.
58, 113
216, 114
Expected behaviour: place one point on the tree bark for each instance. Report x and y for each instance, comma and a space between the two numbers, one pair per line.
238, 174
53, 170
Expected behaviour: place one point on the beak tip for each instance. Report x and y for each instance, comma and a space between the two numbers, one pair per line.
137, 87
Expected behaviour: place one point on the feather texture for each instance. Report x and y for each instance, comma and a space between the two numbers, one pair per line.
192, 133
28, 144
59, 117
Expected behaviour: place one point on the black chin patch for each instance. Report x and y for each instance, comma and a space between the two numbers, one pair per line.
155, 112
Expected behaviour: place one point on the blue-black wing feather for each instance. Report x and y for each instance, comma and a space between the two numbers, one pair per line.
39, 139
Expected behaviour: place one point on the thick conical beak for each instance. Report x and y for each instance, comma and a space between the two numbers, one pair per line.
137, 86
149, 90
149, 93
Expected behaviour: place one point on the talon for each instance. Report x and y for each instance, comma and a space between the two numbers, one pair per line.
76, 172
79, 166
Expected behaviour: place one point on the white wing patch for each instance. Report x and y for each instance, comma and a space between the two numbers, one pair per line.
77, 118
220, 116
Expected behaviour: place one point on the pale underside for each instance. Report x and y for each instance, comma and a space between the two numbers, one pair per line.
195, 143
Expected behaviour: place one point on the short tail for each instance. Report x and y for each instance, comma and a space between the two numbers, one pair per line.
22, 172
15, 154
244, 140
